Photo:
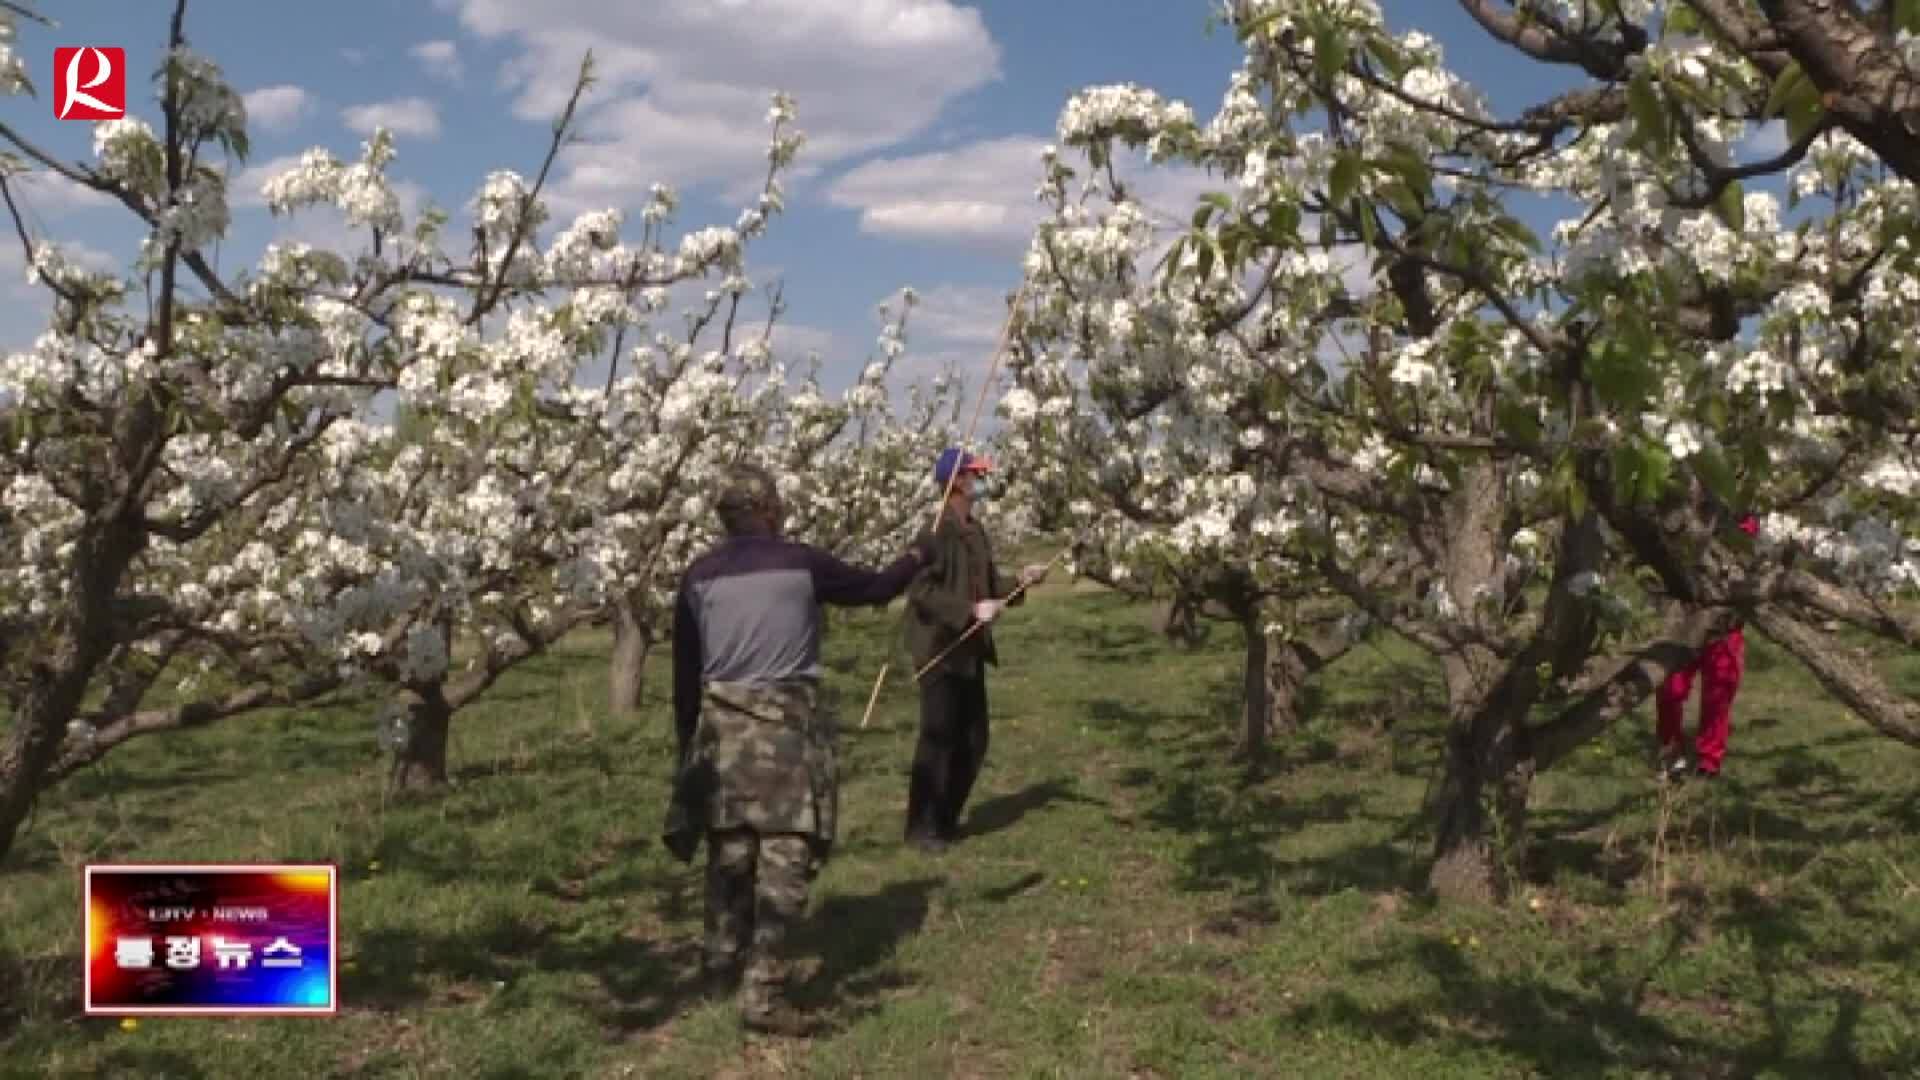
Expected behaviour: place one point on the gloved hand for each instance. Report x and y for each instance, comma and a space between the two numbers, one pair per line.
986, 610
1033, 574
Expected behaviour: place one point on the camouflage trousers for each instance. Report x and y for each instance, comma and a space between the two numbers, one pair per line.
756, 892
764, 758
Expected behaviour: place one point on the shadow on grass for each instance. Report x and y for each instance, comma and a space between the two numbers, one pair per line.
1609, 1018
1550, 1025
636, 984
23, 982
1106, 643
855, 937
1005, 811
150, 1061
1000, 894
639, 984
1236, 836
1200, 745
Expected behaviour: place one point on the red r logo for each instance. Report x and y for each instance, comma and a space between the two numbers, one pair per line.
89, 83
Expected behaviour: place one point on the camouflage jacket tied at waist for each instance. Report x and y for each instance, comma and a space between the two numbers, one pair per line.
762, 757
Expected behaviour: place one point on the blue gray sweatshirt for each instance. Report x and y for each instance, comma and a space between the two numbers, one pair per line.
748, 611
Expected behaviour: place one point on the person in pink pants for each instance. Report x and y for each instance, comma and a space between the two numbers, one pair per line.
1719, 667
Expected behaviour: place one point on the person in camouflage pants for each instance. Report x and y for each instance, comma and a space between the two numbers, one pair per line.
758, 774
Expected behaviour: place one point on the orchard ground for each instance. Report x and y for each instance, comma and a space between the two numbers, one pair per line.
1126, 901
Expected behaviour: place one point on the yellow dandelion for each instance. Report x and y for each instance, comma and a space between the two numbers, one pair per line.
129, 1024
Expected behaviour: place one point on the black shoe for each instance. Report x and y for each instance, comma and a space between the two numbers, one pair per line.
1705, 773
928, 843
1678, 769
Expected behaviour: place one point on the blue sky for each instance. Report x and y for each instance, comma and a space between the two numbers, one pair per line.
924, 120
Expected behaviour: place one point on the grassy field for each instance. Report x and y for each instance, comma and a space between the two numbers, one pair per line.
1124, 904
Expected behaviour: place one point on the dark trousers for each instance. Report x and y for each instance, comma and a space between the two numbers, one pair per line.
953, 745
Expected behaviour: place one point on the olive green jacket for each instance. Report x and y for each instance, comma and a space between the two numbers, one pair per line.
940, 600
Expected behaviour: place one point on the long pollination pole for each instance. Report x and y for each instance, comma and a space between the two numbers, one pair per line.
966, 447
971, 630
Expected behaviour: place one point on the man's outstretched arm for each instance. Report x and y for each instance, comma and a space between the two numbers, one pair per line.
835, 582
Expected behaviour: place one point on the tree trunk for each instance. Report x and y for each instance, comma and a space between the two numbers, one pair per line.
422, 761
1257, 677
1481, 808
33, 742
1289, 666
632, 641
59, 680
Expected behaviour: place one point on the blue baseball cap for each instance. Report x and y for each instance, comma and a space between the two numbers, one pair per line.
953, 457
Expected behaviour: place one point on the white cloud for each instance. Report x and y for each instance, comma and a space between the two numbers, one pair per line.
356, 57
981, 194
792, 342
26, 307
956, 315
277, 108
415, 117
684, 84
441, 59
51, 193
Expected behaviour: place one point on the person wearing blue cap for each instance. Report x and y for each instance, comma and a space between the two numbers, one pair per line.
961, 586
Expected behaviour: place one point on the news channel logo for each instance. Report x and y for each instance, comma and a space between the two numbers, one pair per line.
212, 940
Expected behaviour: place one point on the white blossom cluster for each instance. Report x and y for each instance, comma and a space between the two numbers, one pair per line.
370, 452
1157, 393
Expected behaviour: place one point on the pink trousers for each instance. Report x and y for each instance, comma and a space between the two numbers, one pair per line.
1719, 666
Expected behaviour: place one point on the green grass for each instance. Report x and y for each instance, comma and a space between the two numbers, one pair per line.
1127, 905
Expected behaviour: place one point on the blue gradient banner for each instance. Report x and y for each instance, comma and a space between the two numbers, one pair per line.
211, 940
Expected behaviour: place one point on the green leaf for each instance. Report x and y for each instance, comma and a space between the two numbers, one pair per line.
1804, 111
1620, 373
1649, 116
1283, 224
1791, 78
1906, 16
1344, 178
1173, 256
1404, 201
1625, 473
1731, 206
1522, 424
1516, 230
1680, 21
1329, 51
1717, 413
1655, 471
1712, 468
1390, 57
1641, 472
1410, 167
1252, 27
